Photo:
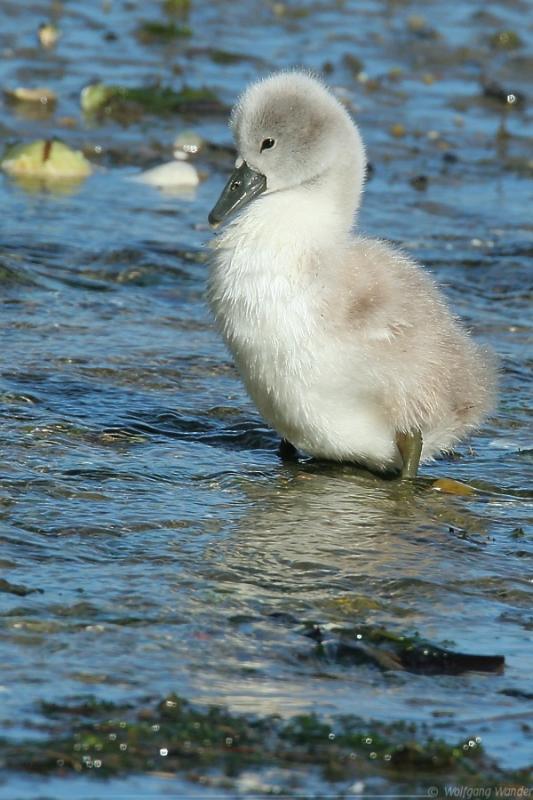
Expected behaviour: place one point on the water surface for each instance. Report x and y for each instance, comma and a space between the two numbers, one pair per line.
163, 544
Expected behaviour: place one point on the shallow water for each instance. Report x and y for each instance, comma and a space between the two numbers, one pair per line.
142, 503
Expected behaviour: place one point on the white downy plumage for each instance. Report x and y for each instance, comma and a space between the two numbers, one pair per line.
343, 342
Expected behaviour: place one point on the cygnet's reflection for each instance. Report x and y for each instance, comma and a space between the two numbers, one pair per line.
345, 522
334, 545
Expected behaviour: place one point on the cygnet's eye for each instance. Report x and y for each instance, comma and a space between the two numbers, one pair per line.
267, 144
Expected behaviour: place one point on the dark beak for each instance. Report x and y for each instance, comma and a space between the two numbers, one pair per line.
244, 184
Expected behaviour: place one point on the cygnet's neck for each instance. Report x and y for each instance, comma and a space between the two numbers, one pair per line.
320, 211
313, 217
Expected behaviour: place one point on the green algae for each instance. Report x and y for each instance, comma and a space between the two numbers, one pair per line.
124, 102
173, 735
157, 32
505, 40
224, 57
177, 7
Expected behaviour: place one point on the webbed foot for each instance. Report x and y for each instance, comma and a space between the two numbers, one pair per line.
410, 447
287, 451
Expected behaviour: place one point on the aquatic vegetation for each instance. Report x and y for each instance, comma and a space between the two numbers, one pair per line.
122, 101
106, 739
225, 57
505, 40
149, 32
177, 7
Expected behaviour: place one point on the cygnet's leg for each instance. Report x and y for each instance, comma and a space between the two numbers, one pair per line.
410, 447
287, 451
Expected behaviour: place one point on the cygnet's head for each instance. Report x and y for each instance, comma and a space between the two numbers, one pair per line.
290, 132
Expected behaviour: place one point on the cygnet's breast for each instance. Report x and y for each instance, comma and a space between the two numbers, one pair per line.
271, 308
269, 312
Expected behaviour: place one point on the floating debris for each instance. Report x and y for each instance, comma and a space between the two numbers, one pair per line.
24, 94
47, 159
48, 35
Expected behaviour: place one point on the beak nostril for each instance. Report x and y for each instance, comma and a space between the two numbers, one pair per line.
243, 185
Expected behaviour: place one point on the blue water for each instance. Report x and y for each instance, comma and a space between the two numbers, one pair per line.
141, 500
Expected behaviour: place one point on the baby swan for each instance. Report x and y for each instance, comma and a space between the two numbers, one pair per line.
344, 344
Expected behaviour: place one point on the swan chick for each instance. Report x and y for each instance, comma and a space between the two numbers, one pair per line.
344, 343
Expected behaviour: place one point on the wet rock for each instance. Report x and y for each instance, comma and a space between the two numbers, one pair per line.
173, 174
518, 693
450, 158
419, 182
353, 64
16, 588
495, 91
390, 651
